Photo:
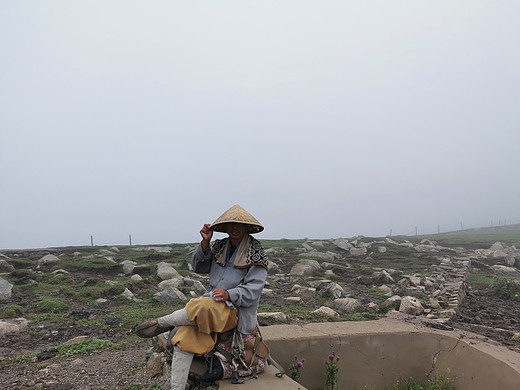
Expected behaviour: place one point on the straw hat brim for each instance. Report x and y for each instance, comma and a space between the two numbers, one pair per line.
237, 214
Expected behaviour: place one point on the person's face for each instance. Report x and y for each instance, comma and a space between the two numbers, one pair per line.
236, 231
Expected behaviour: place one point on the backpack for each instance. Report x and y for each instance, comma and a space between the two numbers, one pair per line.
236, 356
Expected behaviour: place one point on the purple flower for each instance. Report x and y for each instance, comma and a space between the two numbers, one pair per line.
300, 364
331, 356
337, 357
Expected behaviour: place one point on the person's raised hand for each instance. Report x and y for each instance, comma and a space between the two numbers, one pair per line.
206, 234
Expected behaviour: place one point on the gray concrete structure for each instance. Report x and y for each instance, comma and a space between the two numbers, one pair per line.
376, 353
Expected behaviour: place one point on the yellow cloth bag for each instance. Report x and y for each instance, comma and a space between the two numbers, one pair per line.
211, 317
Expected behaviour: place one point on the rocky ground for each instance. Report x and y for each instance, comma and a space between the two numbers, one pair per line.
351, 271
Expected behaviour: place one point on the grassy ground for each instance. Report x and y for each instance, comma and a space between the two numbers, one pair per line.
481, 238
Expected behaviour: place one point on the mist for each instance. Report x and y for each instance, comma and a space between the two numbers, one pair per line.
323, 120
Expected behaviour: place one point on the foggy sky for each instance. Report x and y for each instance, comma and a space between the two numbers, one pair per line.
323, 119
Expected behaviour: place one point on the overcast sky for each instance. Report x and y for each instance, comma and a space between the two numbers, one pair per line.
323, 119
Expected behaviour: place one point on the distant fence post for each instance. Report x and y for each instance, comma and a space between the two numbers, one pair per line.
438, 229
130, 239
461, 226
91, 240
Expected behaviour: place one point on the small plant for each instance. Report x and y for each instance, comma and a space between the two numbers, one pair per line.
51, 305
436, 383
84, 347
325, 292
11, 311
19, 359
331, 367
506, 288
296, 368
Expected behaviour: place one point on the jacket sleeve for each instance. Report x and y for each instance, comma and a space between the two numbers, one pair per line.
248, 292
201, 261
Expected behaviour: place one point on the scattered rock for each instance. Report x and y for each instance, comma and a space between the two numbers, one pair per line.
412, 306
328, 256
504, 270
390, 301
326, 311
307, 247
127, 294
166, 271
276, 316
304, 267
170, 283
343, 244
358, 251
273, 268
170, 294
75, 340
61, 272
303, 291
47, 259
346, 304
5, 266
5, 289
415, 281
128, 266
12, 326
196, 285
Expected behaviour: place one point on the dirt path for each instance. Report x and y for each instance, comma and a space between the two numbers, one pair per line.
111, 369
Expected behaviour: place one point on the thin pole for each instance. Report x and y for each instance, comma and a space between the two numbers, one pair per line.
130, 239
461, 227
91, 240
416, 230
438, 229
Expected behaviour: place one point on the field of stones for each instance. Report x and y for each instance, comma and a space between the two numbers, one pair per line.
66, 313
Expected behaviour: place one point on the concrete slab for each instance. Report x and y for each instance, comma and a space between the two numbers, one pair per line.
376, 353
266, 380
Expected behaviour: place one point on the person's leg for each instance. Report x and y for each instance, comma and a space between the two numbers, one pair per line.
181, 363
155, 327
177, 318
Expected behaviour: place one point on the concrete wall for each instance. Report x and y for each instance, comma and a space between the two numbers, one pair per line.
374, 354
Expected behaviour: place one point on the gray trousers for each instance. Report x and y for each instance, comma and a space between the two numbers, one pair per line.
181, 361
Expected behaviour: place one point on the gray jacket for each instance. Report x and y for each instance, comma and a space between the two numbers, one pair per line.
243, 285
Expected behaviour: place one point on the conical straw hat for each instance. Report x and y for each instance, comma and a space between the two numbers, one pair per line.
238, 215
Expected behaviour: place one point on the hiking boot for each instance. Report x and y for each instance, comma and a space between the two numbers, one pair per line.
150, 329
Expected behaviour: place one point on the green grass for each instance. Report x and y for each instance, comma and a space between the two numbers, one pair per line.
506, 288
480, 279
11, 311
287, 245
475, 238
84, 347
437, 383
50, 305
53, 319
134, 313
99, 265
19, 359
21, 262
100, 290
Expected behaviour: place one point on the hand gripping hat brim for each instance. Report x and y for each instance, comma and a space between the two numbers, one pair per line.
237, 214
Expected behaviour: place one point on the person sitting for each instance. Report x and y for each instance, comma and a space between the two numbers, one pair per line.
238, 268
